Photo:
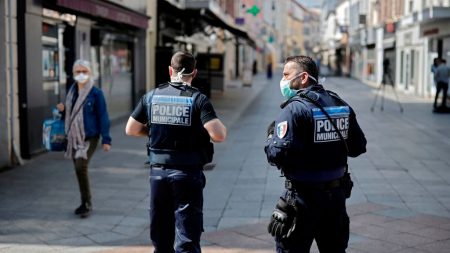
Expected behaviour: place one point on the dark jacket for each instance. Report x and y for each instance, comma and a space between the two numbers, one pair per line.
305, 146
95, 114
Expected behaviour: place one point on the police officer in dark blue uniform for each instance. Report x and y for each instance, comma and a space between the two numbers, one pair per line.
180, 122
312, 155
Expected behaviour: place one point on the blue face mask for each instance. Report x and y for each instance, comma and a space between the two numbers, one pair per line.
285, 86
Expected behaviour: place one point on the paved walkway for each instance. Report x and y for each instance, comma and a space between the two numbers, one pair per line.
400, 203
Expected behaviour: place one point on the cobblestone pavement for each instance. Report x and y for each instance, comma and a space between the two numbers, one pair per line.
400, 203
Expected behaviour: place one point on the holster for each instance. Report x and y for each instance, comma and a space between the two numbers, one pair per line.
347, 184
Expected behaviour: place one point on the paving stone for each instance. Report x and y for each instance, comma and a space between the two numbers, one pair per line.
367, 219
396, 213
432, 233
431, 220
412, 250
236, 240
436, 247
229, 222
401, 226
376, 246
106, 237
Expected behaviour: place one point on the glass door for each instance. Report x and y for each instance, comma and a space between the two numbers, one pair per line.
116, 74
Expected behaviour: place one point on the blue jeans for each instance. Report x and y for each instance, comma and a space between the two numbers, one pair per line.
176, 209
324, 218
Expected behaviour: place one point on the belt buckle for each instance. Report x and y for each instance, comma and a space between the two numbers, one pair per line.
157, 167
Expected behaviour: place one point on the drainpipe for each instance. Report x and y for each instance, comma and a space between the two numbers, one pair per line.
15, 151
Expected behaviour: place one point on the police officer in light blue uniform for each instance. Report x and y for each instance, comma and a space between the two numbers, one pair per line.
312, 155
181, 123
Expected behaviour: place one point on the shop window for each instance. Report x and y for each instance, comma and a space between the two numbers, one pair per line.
50, 63
112, 62
50, 55
412, 65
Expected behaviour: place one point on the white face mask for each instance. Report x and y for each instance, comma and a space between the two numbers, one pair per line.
81, 78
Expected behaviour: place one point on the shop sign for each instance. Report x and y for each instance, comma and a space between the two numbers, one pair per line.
431, 32
239, 21
390, 28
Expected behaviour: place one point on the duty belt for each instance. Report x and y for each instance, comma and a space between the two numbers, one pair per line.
291, 185
175, 167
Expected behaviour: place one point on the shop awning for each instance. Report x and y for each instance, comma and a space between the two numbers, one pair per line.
212, 19
197, 15
107, 11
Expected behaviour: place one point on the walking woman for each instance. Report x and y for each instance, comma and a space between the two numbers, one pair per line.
86, 119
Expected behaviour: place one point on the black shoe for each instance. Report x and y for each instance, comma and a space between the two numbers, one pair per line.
84, 210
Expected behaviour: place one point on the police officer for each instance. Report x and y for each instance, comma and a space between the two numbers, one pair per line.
180, 122
312, 155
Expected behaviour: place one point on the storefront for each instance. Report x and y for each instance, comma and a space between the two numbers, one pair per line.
437, 36
56, 33
410, 60
385, 54
201, 27
356, 57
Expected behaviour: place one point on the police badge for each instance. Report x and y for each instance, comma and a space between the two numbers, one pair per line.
282, 129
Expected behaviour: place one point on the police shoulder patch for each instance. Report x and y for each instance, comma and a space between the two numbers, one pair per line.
282, 129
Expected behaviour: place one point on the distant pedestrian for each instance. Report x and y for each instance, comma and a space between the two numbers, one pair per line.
180, 122
441, 74
269, 70
434, 66
387, 74
309, 142
433, 70
86, 119
255, 67
318, 63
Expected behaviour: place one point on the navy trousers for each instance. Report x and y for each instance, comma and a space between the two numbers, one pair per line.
176, 209
323, 218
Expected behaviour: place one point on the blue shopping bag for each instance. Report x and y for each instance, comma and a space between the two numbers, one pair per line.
53, 134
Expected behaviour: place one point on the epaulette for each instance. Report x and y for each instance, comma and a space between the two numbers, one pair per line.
300, 97
162, 86
333, 94
310, 94
336, 96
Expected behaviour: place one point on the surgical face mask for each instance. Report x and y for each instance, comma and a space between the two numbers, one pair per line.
285, 86
179, 77
81, 78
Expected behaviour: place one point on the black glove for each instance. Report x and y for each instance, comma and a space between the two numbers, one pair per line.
283, 219
271, 129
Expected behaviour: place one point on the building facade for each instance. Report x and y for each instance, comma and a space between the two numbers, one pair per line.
402, 37
423, 35
9, 117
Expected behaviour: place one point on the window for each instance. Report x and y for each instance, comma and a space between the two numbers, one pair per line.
401, 66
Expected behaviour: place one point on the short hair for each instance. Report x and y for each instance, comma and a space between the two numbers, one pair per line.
82, 63
305, 63
183, 59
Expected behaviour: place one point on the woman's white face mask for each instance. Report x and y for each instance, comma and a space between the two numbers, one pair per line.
81, 78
